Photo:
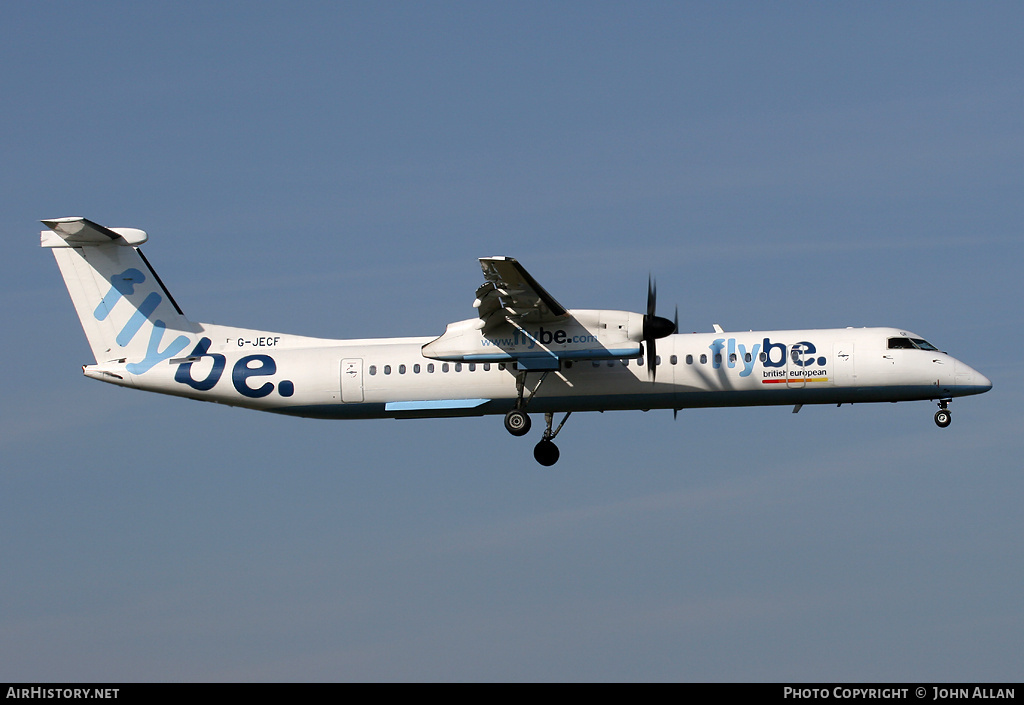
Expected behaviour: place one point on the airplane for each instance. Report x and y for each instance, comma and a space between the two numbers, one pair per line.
523, 352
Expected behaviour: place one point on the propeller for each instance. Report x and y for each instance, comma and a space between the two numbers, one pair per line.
655, 327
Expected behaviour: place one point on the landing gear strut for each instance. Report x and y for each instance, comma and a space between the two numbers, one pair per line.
546, 452
943, 417
517, 422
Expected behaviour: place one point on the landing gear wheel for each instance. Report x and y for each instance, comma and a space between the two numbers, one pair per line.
517, 423
546, 453
943, 418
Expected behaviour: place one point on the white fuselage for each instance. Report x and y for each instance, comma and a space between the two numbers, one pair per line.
391, 378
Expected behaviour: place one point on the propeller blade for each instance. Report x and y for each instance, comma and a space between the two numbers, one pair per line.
655, 327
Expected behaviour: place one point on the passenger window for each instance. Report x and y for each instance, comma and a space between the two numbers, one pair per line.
747, 357
387, 369
689, 359
416, 369
487, 367
458, 367
639, 362
373, 370
401, 369
732, 358
703, 359
674, 359
444, 367
472, 367
430, 367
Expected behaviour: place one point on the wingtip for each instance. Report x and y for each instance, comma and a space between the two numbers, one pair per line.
53, 223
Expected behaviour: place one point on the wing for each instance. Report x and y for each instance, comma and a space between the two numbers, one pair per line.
511, 294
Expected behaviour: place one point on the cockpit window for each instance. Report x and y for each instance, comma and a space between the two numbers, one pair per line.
911, 344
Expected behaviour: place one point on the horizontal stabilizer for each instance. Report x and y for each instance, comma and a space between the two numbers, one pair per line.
82, 232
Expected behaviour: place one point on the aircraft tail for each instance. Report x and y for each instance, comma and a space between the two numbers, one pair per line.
127, 313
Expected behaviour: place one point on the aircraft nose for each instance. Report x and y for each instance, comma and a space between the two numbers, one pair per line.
982, 381
971, 380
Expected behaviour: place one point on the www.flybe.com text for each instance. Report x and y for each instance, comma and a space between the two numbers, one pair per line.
541, 336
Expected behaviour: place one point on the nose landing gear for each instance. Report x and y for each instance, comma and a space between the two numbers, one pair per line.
943, 417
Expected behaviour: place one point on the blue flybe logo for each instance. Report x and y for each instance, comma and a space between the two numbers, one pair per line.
122, 286
734, 354
245, 373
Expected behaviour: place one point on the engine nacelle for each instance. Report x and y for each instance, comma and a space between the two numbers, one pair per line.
582, 335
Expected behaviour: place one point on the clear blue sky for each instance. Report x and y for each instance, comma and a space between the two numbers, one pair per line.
335, 169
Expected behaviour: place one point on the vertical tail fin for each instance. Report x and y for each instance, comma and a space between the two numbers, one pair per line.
126, 311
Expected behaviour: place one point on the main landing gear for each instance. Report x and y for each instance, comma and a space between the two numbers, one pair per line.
517, 422
545, 451
943, 417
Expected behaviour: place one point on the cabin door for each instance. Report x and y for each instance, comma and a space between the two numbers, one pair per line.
352, 380
844, 374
